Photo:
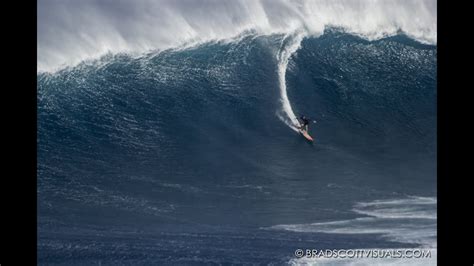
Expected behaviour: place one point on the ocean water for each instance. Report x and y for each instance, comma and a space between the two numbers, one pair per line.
189, 155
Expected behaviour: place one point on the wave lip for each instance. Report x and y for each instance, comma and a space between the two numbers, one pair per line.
70, 32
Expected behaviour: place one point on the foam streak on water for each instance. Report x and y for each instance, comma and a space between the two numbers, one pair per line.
409, 220
287, 50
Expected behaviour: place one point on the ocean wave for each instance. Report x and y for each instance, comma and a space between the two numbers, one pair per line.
70, 32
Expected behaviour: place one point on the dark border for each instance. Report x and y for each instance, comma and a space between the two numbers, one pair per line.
19, 201
454, 206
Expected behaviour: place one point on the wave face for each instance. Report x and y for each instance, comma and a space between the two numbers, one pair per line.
72, 31
184, 149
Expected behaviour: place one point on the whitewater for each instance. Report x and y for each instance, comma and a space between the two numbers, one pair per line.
68, 31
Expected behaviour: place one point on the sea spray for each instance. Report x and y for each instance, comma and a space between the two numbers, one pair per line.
290, 44
73, 31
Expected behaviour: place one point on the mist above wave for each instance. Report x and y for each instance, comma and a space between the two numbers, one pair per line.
72, 31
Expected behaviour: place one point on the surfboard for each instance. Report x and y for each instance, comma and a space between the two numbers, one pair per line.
306, 135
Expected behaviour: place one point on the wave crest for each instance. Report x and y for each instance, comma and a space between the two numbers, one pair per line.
72, 31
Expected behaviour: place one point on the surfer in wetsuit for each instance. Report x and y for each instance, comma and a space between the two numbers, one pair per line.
304, 123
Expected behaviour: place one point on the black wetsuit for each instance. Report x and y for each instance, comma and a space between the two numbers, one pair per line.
305, 122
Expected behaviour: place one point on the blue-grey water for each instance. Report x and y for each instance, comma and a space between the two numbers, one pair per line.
179, 156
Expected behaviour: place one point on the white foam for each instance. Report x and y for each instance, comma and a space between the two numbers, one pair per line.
286, 51
72, 31
411, 207
411, 220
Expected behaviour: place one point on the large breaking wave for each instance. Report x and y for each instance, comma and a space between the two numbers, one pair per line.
193, 136
72, 31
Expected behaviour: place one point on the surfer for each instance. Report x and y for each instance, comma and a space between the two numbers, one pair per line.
304, 123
